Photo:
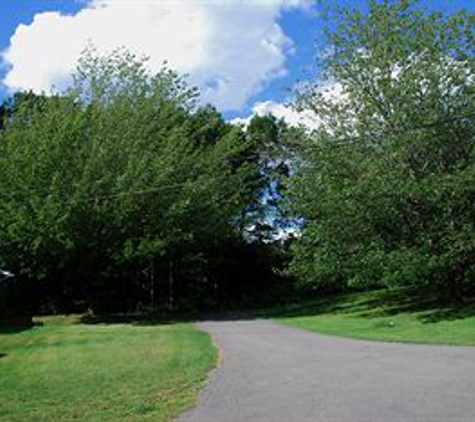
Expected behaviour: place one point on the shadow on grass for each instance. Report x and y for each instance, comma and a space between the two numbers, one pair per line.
134, 319
14, 329
449, 314
328, 305
3, 355
140, 319
392, 303
428, 307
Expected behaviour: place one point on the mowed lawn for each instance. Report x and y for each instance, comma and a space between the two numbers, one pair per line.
400, 316
66, 370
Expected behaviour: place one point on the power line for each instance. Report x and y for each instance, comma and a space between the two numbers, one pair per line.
138, 192
341, 142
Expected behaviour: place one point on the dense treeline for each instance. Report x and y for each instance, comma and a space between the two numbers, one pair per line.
387, 189
123, 192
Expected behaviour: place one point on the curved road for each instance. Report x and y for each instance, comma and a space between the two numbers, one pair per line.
270, 372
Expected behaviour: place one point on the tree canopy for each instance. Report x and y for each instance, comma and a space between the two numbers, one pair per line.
123, 187
125, 190
386, 191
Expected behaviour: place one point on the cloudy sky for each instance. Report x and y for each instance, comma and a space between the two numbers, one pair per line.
242, 54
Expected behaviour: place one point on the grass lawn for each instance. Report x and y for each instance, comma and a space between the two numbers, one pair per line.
67, 370
399, 316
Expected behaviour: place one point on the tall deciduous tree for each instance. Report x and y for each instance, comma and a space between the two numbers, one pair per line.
118, 189
387, 187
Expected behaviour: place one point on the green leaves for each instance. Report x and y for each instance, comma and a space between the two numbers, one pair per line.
386, 189
110, 180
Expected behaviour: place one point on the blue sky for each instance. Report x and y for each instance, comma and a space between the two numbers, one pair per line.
243, 54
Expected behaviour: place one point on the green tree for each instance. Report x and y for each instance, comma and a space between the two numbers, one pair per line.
386, 187
116, 191
274, 149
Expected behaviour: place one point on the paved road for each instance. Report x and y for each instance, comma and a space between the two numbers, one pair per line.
274, 373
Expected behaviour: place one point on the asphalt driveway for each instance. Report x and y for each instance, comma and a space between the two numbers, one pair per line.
270, 372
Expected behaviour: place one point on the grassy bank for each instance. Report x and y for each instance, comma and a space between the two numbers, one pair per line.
67, 370
399, 316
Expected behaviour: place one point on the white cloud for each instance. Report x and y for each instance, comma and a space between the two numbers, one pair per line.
331, 92
281, 111
230, 48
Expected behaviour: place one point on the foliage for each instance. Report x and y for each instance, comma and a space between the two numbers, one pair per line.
386, 188
275, 145
121, 190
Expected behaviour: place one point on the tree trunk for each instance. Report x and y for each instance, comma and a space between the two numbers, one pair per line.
171, 303
455, 283
152, 284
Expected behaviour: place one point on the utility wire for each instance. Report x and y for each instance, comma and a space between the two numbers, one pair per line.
100, 197
340, 142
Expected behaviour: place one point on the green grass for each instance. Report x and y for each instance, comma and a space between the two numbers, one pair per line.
399, 316
66, 370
